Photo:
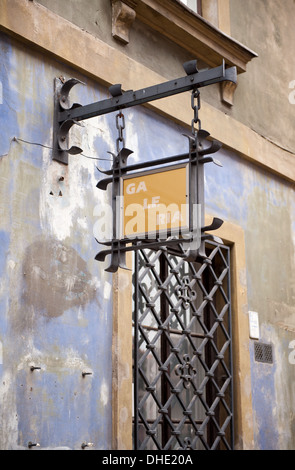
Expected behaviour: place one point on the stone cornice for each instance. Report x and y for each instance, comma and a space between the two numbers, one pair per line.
192, 32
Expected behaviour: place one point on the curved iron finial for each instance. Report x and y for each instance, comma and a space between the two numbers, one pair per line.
190, 67
116, 90
64, 94
62, 137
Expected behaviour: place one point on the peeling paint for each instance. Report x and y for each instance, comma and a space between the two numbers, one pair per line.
104, 394
52, 305
107, 290
56, 278
124, 415
56, 303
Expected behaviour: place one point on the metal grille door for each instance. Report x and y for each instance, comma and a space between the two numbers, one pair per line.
182, 351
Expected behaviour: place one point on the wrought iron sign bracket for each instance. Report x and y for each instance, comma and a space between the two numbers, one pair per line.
65, 116
61, 147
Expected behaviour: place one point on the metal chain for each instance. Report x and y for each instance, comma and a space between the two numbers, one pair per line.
196, 106
120, 126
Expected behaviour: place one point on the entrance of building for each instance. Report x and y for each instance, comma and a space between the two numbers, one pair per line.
182, 351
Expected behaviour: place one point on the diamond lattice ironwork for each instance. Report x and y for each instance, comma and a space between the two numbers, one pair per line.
182, 351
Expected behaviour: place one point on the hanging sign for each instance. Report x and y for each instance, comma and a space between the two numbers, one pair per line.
155, 203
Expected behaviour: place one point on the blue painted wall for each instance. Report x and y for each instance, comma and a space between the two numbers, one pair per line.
55, 300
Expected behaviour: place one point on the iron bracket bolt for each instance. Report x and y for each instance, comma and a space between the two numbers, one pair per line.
33, 444
87, 444
86, 373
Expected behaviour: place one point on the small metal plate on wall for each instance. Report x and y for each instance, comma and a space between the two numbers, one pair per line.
263, 352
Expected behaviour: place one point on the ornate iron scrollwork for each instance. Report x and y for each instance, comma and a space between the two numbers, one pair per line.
186, 371
185, 292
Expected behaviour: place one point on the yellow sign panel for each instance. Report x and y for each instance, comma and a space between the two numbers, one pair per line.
155, 202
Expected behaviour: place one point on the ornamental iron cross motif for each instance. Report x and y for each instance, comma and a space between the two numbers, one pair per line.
185, 292
186, 371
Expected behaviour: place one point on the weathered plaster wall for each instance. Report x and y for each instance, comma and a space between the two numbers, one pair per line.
55, 299
264, 207
261, 99
48, 251
96, 18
